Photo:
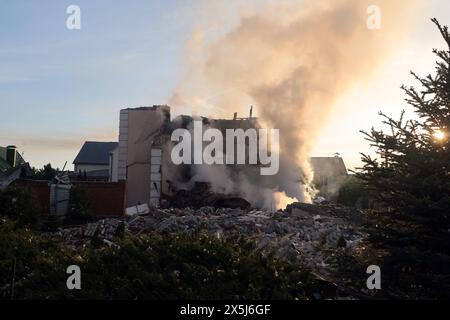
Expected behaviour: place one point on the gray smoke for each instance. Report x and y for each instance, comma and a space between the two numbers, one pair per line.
292, 60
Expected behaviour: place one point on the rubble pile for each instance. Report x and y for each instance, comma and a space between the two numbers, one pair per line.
201, 195
308, 234
76, 237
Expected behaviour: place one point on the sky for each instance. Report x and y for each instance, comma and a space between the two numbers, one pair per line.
61, 87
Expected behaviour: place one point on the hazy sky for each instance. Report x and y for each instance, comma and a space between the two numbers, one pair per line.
59, 88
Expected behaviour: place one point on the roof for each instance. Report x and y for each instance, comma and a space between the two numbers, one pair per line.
4, 165
328, 167
95, 153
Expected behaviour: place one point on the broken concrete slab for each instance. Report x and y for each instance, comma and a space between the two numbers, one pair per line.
137, 210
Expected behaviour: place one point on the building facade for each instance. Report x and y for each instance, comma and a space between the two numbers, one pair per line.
140, 152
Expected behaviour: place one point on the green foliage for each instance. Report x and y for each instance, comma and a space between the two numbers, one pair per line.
188, 267
354, 193
79, 207
39, 264
21, 205
149, 267
52, 223
415, 261
412, 173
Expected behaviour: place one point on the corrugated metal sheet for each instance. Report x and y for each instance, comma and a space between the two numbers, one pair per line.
59, 199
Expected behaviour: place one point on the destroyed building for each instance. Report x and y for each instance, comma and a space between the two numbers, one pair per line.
137, 170
142, 158
144, 151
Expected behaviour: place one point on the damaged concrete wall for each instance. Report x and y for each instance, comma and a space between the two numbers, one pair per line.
138, 129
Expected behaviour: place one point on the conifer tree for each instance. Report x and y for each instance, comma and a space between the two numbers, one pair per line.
411, 172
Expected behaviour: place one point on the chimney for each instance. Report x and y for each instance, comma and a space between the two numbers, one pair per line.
11, 155
251, 112
235, 116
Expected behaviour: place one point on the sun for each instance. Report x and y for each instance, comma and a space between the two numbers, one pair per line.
439, 135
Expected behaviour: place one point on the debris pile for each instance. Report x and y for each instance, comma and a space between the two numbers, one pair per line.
308, 234
201, 196
76, 237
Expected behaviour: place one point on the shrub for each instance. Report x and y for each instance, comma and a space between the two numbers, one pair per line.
79, 207
189, 267
354, 193
149, 267
21, 205
38, 265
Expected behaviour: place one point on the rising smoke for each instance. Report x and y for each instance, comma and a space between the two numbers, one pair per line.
292, 60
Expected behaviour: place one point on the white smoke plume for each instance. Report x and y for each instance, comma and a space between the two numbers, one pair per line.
292, 60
